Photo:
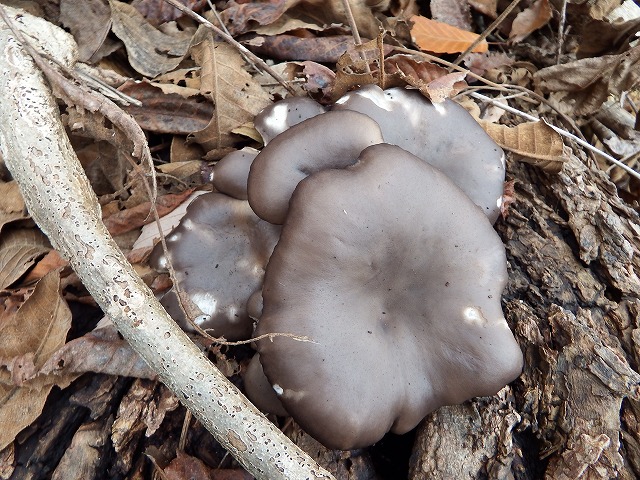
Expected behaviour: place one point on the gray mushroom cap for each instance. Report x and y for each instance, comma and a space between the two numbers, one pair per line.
223, 235
444, 135
397, 276
331, 140
282, 115
231, 172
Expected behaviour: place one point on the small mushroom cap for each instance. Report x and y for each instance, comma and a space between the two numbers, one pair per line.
282, 115
332, 140
397, 276
444, 135
260, 391
233, 245
231, 172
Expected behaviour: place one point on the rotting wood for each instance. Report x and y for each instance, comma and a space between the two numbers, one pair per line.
573, 301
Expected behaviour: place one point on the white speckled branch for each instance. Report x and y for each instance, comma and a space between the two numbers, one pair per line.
58, 195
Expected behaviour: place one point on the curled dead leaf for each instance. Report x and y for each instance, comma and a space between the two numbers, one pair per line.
19, 250
433, 81
535, 142
530, 20
587, 83
150, 51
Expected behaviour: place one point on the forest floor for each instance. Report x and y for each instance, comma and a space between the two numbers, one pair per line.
77, 402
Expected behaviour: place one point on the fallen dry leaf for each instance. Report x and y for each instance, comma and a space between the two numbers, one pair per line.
247, 16
51, 261
19, 250
185, 466
12, 205
479, 63
150, 51
38, 329
452, 12
600, 37
134, 217
587, 83
486, 7
237, 96
89, 22
530, 20
353, 68
101, 351
536, 142
438, 37
180, 111
159, 11
316, 49
433, 81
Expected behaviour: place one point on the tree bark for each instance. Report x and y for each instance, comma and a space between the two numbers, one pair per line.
573, 302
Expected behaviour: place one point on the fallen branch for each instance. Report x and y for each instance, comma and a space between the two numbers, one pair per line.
58, 195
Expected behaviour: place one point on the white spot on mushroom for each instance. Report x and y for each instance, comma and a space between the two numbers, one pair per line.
162, 262
205, 302
372, 95
277, 118
474, 315
187, 224
200, 318
278, 389
439, 107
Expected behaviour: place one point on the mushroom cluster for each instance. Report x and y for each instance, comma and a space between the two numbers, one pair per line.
386, 259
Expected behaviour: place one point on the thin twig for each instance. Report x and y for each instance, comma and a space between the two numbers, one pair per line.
354, 31
352, 22
488, 31
234, 43
561, 32
226, 30
562, 132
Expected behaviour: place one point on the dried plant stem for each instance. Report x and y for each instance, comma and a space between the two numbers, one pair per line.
354, 31
488, 31
562, 132
561, 30
235, 44
352, 22
60, 199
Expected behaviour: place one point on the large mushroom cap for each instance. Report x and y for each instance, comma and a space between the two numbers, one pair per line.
397, 277
444, 135
331, 140
233, 245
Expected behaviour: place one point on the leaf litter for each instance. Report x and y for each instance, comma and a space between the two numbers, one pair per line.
199, 97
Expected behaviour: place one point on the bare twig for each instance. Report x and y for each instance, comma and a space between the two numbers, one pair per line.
235, 44
561, 30
354, 31
488, 31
